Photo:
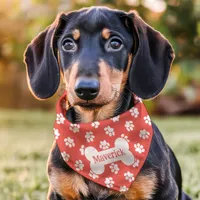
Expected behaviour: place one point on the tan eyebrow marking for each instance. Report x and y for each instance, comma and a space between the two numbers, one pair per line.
106, 33
76, 34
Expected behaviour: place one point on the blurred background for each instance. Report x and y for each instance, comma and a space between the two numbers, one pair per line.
26, 124
178, 20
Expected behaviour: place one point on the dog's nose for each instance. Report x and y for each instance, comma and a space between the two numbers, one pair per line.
87, 88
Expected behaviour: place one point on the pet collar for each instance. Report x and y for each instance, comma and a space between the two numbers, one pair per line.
109, 152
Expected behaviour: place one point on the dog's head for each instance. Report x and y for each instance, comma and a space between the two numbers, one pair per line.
98, 51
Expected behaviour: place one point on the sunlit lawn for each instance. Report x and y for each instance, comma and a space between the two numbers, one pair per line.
26, 138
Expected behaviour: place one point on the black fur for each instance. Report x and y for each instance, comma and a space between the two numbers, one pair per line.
152, 61
42, 65
152, 58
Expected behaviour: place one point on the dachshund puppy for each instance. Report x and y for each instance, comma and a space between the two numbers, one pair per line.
104, 56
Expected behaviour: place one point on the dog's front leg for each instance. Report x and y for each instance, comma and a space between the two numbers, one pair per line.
65, 184
167, 190
52, 195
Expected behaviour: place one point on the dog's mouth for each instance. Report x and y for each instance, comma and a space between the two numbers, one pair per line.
91, 105
88, 105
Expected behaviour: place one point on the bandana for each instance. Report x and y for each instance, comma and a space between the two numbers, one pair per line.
109, 152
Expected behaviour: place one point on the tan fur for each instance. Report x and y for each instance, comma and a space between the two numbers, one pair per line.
69, 80
76, 34
112, 82
125, 74
96, 114
105, 33
68, 185
143, 187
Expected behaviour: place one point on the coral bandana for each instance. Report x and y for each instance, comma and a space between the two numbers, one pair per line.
109, 152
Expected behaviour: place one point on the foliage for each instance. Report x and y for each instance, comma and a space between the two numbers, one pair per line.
22, 20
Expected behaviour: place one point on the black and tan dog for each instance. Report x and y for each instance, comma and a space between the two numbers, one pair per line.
104, 56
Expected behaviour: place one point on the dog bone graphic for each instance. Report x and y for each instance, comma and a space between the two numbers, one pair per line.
98, 160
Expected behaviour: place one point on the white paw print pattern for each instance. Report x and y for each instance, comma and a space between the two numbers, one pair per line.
89, 136
65, 156
129, 176
56, 133
109, 131
125, 137
144, 134
69, 142
82, 150
79, 165
139, 148
109, 182
104, 145
134, 112
60, 118
93, 175
147, 120
95, 124
129, 125
114, 168
74, 127
136, 163
123, 188
116, 118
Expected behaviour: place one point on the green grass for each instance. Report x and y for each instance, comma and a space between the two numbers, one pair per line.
26, 138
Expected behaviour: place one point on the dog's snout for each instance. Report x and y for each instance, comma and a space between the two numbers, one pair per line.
87, 88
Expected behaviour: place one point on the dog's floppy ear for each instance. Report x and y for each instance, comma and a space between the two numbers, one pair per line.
151, 63
43, 73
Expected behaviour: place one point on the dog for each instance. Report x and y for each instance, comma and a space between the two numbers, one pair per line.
103, 57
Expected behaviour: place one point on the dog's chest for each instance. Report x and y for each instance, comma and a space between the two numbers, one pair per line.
71, 185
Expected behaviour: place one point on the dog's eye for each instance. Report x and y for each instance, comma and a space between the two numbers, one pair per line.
114, 44
68, 45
